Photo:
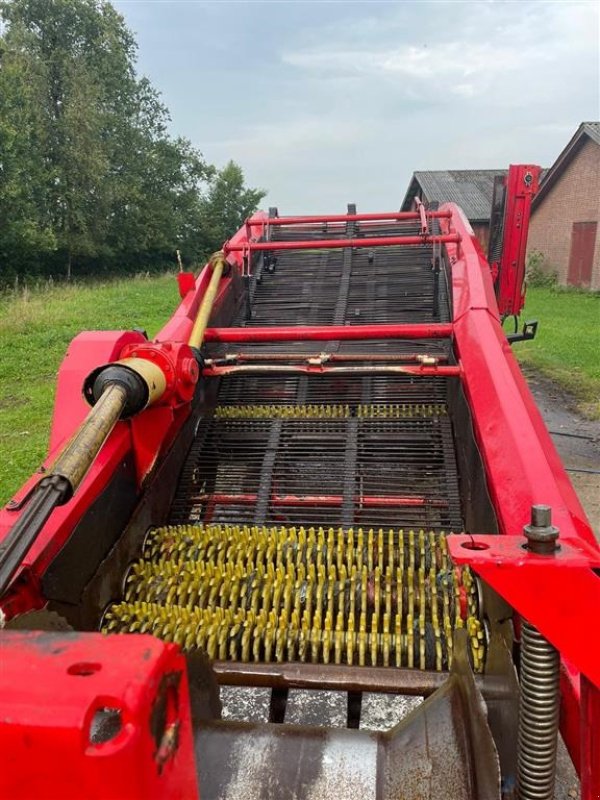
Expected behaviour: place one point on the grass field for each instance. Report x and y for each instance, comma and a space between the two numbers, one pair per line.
36, 328
567, 346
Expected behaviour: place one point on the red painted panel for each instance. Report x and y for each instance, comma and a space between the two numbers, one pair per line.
54, 690
583, 241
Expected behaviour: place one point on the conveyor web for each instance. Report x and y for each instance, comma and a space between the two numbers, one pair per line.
378, 449
310, 517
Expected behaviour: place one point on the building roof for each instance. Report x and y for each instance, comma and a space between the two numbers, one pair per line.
471, 189
587, 130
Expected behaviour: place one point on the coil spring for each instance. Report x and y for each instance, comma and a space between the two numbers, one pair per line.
538, 716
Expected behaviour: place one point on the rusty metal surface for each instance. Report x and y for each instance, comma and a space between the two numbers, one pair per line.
285, 762
428, 755
339, 677
485, 764
443, 749
494, 685
503, 712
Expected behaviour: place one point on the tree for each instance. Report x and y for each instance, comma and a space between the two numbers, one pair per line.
89, 176
80, 53
25, 223
227, 205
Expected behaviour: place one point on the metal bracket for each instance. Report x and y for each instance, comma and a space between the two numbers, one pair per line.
528, 581
529, 331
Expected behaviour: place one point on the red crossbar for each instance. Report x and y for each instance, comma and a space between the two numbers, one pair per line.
325, 500
326, 333
328, 244
315, 219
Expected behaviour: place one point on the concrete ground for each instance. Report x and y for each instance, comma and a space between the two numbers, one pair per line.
577, 440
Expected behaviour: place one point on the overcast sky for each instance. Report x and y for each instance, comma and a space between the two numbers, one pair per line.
324, 103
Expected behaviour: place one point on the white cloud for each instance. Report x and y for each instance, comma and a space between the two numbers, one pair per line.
328, 103
477, 46
449, 68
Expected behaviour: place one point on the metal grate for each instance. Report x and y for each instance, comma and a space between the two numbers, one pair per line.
386, 284
330, 389
353, 471
352, 286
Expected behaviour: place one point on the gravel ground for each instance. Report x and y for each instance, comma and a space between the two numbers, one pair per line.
577, 440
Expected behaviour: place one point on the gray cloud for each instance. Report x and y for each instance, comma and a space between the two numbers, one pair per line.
325, 103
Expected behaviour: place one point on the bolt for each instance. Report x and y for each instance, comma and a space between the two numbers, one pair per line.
541, 516
540, 533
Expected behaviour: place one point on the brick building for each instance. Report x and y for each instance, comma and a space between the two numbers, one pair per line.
471, 189
566, 212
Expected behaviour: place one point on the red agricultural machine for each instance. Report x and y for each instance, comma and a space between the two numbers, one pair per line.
313, 540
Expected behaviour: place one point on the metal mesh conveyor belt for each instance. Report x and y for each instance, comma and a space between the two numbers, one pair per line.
310, 517
351, 286
360, 442
353, 464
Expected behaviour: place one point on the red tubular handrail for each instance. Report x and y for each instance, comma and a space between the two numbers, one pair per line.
329, 244
325, 333
373, 217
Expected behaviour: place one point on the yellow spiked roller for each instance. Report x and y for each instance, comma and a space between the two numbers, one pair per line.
327, 411
255, 593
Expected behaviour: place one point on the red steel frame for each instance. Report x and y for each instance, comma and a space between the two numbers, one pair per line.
521, 187
559, 594
332, 244
55, 686
387, 216
324, 333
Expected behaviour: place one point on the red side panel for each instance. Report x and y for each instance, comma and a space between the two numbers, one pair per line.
115, 724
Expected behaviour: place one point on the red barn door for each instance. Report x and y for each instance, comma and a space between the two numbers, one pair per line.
583, 241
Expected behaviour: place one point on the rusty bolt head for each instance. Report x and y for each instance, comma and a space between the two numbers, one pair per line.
540, 533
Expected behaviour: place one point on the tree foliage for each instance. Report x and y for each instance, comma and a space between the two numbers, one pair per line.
90, 179
228, 203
